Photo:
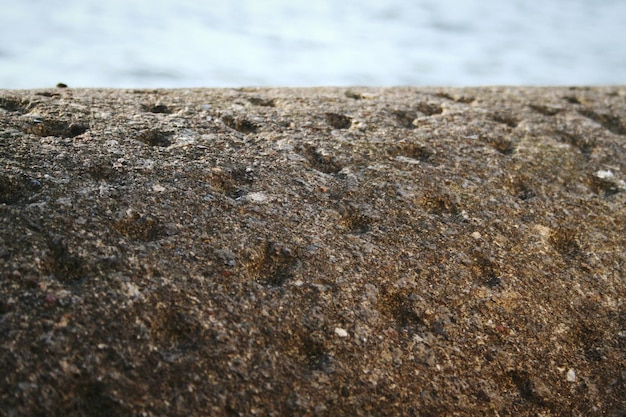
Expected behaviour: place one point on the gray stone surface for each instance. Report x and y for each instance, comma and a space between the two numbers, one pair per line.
404, 251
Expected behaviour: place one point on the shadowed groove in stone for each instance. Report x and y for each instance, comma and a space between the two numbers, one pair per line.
502, 144
355, 221
273, 264
156, 108
526, 386
565, 241
15, 188
485, 271
505, 118
545, 110
338, 121
321, 160
264, 102
405, 118
429, 109
584, 144
610, 122
404, 307
572, 99
439, 202
62, 263
412, 150
14, 104
232, 181
240, 124
603, 186
519, 187
465, 99
154, 137
53, 127
139, 228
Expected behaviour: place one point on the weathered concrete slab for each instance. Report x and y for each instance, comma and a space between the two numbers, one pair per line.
405, 251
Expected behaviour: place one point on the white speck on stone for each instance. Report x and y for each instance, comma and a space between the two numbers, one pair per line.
158, 188
132, 290
407, 160
604, 174
341, 332
257, 197
476, 235
66, 201
571, 376
184, 139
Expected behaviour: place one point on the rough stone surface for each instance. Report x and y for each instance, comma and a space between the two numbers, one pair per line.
358, 252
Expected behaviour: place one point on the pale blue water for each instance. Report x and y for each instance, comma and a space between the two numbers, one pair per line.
184, 43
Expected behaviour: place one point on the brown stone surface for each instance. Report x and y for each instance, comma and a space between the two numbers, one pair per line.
404, 251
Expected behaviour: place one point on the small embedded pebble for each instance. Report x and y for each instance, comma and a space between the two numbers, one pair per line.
341, 332
256, 197
571, 376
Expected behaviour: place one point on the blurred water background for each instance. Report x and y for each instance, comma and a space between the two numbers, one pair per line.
235, 43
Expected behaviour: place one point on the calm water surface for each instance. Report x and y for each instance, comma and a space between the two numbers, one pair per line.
184, 43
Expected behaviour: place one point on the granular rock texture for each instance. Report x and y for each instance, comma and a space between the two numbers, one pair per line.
344, 252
